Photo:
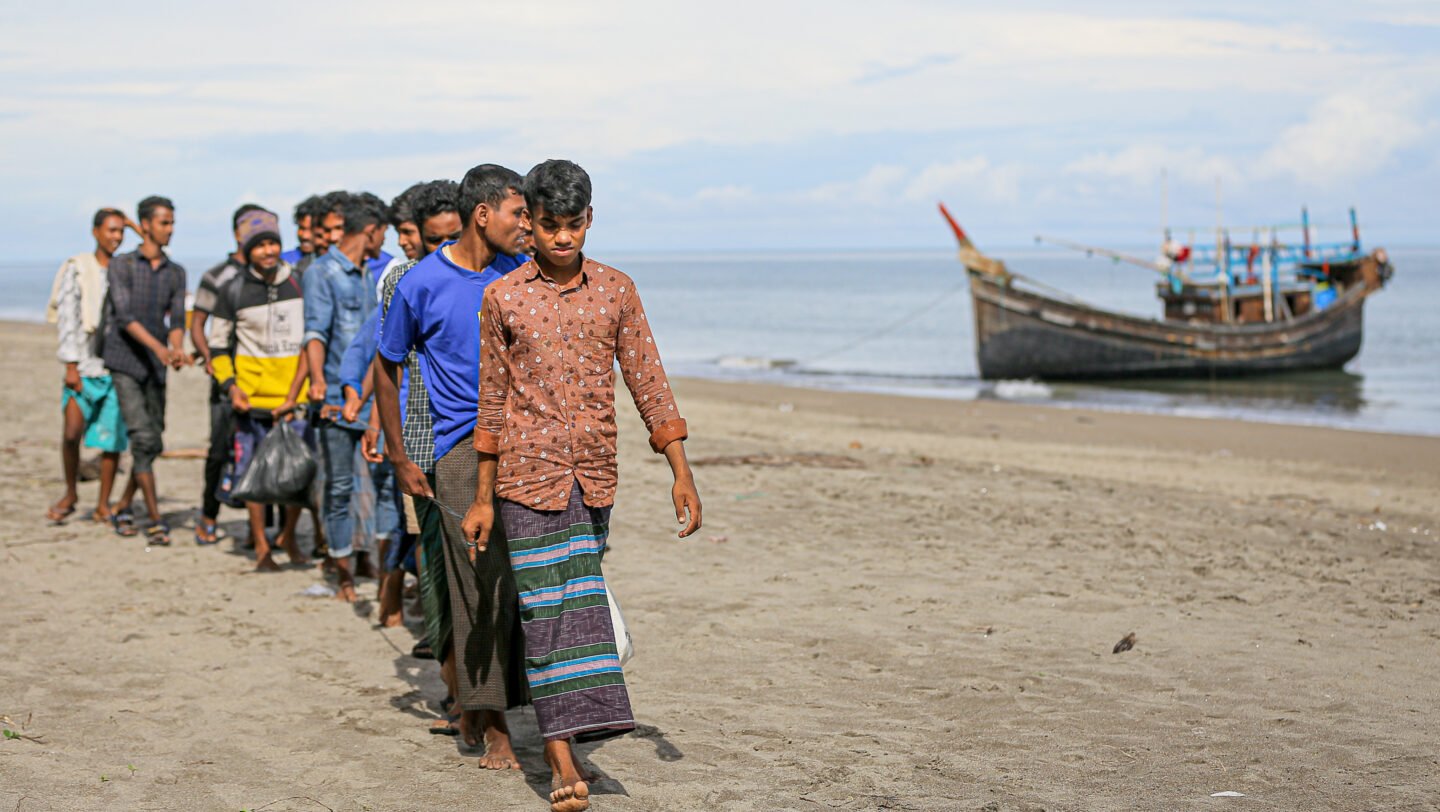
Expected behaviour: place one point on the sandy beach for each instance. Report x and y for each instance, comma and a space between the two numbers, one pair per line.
899, 604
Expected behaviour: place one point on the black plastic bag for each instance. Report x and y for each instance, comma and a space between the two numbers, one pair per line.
281, 472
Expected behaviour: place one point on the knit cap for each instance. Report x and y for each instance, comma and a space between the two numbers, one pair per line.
256, 225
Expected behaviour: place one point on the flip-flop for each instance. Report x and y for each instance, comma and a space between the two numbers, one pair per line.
451, 726
209, 527
158, 535
59, 516
422, 651
124, 523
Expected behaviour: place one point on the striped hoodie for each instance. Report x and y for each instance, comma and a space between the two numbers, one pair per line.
257, 332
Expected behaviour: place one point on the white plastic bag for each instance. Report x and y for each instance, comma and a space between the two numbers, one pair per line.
623, 643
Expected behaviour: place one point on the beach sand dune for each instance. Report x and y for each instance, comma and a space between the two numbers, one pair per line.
894, 604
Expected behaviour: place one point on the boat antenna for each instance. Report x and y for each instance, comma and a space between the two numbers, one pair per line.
1165, 203
1354, 231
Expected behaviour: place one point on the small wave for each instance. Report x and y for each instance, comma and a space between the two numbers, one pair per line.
1022, 390
752, 362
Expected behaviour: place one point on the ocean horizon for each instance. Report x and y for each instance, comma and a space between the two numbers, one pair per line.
900, 322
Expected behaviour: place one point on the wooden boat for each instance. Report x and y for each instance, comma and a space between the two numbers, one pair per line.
1304, 310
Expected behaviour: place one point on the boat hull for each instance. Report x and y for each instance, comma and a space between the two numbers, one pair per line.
1023, 334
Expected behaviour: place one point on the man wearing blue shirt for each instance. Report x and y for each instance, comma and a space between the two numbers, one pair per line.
435, 311
339, 296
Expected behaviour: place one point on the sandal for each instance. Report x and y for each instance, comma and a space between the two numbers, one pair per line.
158, 535
205, 533
422, 651
59, 516
124, 523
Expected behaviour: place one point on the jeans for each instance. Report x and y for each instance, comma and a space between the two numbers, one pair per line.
337, 455
388, 511
221, 421
142, 403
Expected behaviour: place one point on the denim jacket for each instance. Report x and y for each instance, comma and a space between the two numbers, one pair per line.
339, 297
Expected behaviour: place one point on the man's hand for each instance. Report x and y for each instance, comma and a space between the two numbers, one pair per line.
239, 401
209, 368
686, 499
317, 387
329, 411
179, 359
412, 480
164, 355
285, 411
72, 378
370, 445
475, 529
351, 411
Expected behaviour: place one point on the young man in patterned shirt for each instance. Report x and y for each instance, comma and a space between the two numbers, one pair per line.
551, 334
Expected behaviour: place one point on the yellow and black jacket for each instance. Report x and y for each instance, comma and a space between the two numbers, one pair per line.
256, 335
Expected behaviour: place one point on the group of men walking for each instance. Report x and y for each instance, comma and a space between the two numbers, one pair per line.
487, 462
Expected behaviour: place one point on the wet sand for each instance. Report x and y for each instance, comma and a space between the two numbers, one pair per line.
895, 603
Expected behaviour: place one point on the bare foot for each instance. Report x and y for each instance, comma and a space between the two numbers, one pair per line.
345, 591
266, 563
469, 726
393, 619
499, 755
570, 793
297, 558
585, 775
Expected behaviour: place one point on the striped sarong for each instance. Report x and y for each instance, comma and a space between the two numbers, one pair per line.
571, 663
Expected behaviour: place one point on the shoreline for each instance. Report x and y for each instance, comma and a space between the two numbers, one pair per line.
1052, 423
893, 603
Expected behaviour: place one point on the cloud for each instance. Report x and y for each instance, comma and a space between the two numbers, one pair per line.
1141, 165
1346, 136
882, 73
971, 176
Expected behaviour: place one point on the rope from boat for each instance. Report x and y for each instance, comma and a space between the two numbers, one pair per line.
889, 328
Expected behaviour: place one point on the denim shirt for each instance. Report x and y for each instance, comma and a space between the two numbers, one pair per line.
339, 297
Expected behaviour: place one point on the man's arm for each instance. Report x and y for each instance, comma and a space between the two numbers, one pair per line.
494, 388
644, 376
197, 337
123, 304
71, 325
176, 312
387, 401
292, 398
319, 312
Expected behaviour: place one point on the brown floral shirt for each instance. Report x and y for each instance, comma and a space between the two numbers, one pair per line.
547, 383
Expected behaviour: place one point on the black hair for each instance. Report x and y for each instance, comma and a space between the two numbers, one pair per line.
240, 212
402, 208
147, 207
489, 184
306, 208
558, 186
363, 209
332, 203
105, 214
435, 197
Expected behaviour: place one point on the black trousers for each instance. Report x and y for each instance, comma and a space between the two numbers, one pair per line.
222, 426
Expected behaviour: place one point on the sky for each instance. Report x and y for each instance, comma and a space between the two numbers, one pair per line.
742, 126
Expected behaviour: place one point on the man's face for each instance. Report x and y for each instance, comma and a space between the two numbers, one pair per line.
439, 230
302, 232
332, 228
109, 234
408, 235
374, 239
265, 256
506, 225
560, 238
159, 227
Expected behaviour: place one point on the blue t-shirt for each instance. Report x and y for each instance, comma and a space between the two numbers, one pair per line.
436, 312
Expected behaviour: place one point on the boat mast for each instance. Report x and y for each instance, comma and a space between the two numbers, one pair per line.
1222, 254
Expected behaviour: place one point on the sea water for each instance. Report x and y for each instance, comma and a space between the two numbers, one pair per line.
901, 322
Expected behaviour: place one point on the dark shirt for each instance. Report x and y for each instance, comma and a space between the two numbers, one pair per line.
154, 297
